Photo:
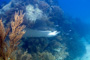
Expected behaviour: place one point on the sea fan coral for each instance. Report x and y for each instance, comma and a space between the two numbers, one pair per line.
15, 35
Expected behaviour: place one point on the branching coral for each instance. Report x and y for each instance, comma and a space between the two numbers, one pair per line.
21, 55
43, 56
14, 36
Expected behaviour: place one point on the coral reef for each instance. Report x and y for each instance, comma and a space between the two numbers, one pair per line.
41, 45
34, 11
24, 55
8, 47
47, 15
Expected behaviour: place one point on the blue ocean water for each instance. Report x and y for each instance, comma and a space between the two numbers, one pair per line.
55, 29
4, 1
77, 8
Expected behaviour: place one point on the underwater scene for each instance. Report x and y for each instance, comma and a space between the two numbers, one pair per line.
44, 30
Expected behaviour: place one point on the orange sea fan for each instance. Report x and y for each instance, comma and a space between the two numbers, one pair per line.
15, 35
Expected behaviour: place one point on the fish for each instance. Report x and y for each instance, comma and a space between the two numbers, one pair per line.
39, 33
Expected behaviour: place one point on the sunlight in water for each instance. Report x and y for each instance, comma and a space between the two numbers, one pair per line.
53, 33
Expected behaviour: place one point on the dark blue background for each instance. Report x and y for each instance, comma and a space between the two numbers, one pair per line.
4, 1
77, 8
